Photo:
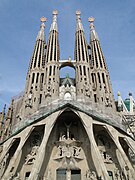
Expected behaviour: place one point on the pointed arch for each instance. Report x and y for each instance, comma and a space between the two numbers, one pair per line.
68, 140
9, 155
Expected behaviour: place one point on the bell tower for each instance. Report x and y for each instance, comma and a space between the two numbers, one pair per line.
35, 77
52, 63
101, 84
83, 79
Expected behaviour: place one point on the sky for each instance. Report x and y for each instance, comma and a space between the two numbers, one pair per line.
20, 23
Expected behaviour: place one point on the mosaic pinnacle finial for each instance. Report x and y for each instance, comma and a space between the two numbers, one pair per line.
91, 20
42, 27
43, 19
54, 23
79, 23
78, 12
55, 12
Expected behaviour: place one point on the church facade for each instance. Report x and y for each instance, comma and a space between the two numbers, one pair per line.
66, 128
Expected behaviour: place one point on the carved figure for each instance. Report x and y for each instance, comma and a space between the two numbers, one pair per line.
31, 157
69, 151
76, 151
86, 88
91, 175
63, 138
117, 173
106, 157
28, 102
68, 128
3, 163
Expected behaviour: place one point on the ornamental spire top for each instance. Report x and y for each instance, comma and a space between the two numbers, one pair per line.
92, 28
79, 23
41, 35
54, 23
91, 20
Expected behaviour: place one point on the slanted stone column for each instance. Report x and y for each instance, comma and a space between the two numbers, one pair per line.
42, 150
121, 156
13, 161
100, 167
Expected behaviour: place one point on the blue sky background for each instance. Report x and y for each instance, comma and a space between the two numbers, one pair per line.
20, 22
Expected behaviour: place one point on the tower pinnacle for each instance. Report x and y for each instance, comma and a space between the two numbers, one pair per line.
93, 32
54, 23
91, 20
78, 13
41, 35
100, 76
79, 23
43, 19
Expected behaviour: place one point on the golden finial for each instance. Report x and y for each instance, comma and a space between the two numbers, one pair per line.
55, 12
78, 12
43, 19
91, 19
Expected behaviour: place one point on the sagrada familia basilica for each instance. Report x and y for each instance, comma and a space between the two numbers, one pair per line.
68, 128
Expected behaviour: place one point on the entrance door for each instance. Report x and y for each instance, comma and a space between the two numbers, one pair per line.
75, 175
110, 175
61, 174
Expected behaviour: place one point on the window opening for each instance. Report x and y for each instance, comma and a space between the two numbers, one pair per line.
80, 70
33, 76
37, 78
99, 80
40, 99
95, 97
110, 175
75, 175
103, 77
61, 174
84, 70
50, 70
27, 175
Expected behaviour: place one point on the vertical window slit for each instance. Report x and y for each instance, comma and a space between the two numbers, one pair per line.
33, 76
40, 99
37, 77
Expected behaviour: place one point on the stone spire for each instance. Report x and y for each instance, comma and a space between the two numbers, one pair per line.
79, 25
36, 74
38, 57
52, 53
2, 118
81, 54
52, 61
8, 121
41, 34
92, 29
98, 60
54, 25
100, 76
